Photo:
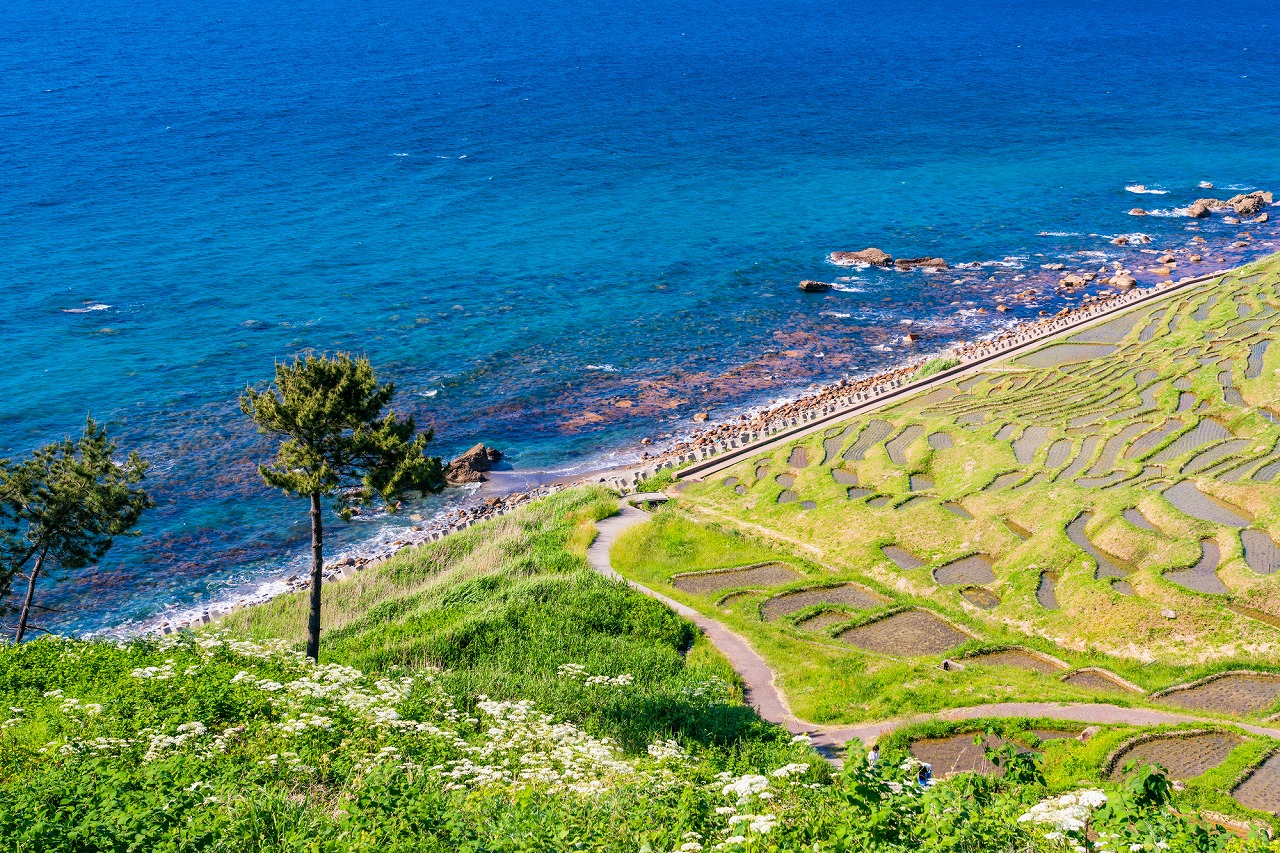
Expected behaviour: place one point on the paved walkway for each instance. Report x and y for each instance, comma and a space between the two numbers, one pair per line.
762, 694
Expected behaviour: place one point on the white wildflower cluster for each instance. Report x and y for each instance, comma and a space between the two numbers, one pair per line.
692, 843
299, 724
787, 770
158, 673
1068, 813
522, 747
578, 672
160, 743
71, 705
745, 787
14, 720
667, 750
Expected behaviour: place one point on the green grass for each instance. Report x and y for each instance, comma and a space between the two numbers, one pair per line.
936, 365
1131, 633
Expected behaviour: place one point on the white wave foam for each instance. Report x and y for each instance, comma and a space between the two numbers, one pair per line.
839, 315
605, 368
1059, 234
1143, 189
882, 348
846, 288
89, 307
430, 393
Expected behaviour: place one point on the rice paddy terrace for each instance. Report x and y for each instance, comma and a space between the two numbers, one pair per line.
1115, 490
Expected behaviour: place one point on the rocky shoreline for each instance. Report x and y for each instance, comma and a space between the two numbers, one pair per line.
1120, 287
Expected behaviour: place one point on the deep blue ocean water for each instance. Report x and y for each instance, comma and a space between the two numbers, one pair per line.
526, 212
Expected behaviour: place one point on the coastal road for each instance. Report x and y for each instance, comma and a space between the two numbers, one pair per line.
760, 681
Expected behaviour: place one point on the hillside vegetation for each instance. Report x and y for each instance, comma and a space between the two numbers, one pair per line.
485, 693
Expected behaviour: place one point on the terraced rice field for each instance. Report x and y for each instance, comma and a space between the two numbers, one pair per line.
1092, 679
1015, 658
957, 754
1184, 756
910, 633
1195, 503
904, 560
1232, 694
1261, 790
975, 569
1260, 551
1095, 465
769, 574
793, 602
1203, 576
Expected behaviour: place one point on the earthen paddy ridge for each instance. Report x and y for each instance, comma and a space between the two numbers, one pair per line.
1092, 521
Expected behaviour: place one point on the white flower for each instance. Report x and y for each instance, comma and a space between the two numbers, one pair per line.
789, 770
744, 787
690, 847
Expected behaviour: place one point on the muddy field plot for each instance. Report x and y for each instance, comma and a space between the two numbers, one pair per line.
847, 595
1092, 679
1015, 658
957, 754
969, 570
769, 574
1057, 355
1261, 790
901, 558
1231, 694
1184, 757
911, 633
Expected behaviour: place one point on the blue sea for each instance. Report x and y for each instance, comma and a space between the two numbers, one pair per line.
527, 213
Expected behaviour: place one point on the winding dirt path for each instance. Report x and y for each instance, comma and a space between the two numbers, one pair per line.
762, 694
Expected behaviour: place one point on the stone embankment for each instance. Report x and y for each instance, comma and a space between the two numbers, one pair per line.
848, 397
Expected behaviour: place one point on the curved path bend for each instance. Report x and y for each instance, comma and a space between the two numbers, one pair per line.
761, 690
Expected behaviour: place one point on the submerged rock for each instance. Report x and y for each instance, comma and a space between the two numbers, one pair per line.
810, 286
872, 256
1199, 210
471, 466
929, 263
1249, 204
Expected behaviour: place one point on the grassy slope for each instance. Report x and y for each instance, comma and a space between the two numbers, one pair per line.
1095, 624
502, 606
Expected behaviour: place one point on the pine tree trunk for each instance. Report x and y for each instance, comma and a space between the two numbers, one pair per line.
31, 594
317, 578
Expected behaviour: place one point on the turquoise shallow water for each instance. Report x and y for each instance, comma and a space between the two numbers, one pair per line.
525, 213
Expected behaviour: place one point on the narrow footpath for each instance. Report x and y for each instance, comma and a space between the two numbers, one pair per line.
762, 694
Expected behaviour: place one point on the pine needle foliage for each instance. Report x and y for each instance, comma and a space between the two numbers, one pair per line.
335, 442
64, 508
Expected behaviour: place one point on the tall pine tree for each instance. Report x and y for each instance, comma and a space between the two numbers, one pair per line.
335, 442
64, 508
